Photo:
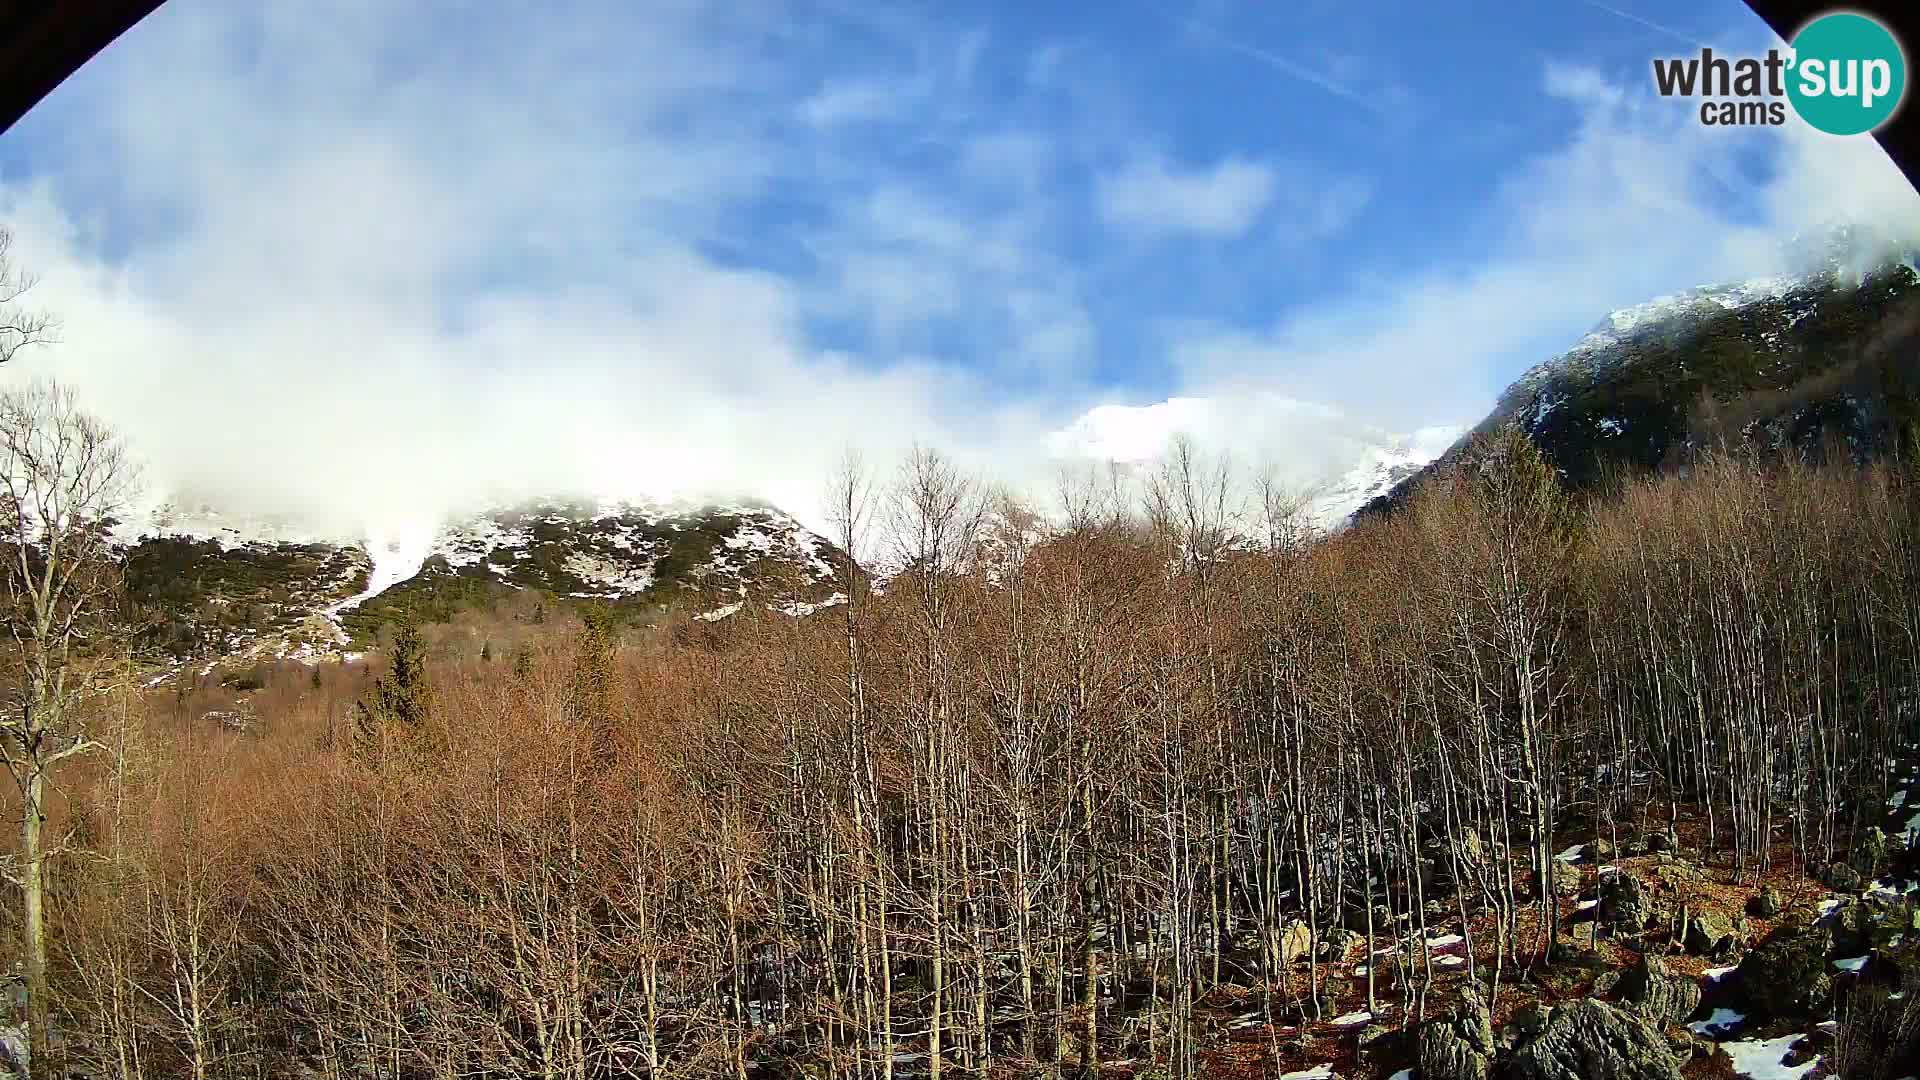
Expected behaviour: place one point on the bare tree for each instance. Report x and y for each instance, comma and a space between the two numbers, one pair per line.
20, 326
63, 476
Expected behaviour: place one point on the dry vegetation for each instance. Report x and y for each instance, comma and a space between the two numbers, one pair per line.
1055, 802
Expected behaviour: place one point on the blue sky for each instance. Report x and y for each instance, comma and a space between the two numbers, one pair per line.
721, 242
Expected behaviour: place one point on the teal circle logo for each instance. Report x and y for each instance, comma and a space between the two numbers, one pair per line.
1847, 74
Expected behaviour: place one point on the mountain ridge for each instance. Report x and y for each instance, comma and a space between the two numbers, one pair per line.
1770, 364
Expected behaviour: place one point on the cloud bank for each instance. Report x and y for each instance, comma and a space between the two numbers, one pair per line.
370, 266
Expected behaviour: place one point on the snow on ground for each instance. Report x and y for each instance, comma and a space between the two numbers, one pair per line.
1721, 1022
1760, 1059
397, 556
1572, 854
1403, 1074
1351, 1019
800, 608
1317, 1072
1714, 974
1444, 940
1851, 963
724, 611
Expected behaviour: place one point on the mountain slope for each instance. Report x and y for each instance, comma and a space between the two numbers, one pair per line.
210, 585
1775, 364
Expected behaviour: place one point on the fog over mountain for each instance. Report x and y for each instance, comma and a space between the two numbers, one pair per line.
620, 262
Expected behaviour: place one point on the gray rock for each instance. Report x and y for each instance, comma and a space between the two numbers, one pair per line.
1625, 903
1658, 994
1296, 942
1765, 903
1459, 1045
1659, 841
1686, 1045
1566, 879
1843, 878
1592, 1040
1711, 934
1870, 851
1787, 974
1335, 944
1528, 1021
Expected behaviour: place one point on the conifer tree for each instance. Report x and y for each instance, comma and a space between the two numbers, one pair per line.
590, 694
400, 704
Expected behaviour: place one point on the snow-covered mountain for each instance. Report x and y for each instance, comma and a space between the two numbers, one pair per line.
231, 585
1776, 363
1338, 463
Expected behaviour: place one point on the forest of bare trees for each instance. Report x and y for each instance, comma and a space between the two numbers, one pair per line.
1031, 804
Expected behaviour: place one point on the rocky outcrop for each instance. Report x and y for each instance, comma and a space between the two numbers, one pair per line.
1296, 942
1458, 1046
1842, 878
1710, 933
1625, 903
1566, 880
1337, 943
1870, 851
1765, 903
1787, 974
1658, 994
1592, 1040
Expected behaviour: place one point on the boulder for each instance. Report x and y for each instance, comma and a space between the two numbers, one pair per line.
1296, 942
1765, 903
1459, 1045
1860, 924
1675, 871
1335, 944
1603, 850
1711, 934
1566, 880
1592, 1040
1787, 975
1658, 994
1528, 1021
1870, 851
1686, 1045
1842, 878
1472, 850
1625, 903
1659, 841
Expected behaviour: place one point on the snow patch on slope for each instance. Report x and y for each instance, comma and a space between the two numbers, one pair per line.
397, 556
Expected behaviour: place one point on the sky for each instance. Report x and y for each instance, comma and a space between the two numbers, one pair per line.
366, 260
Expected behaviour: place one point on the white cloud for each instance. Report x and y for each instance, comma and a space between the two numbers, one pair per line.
357, 295
309, 271
1638, 201
1150, 194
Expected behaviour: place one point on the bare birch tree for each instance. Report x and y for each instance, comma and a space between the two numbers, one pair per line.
63, 477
